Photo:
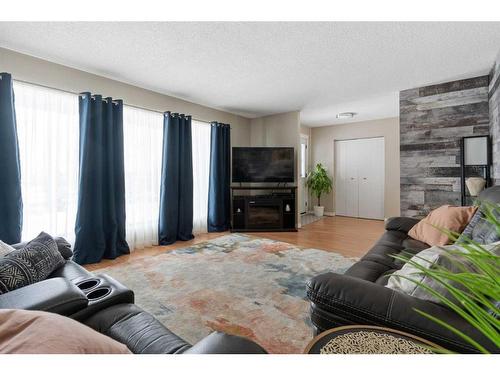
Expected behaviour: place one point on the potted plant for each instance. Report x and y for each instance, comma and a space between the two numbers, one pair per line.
320, 183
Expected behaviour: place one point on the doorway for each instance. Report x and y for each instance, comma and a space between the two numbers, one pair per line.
304, 166
359, 177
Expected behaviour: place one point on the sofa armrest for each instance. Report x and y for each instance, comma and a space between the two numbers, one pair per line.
144, 334
403, 224
364, 302
56, 295
223, 343
139, 330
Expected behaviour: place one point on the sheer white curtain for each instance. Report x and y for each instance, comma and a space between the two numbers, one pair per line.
48, 131
143, 137
48, 127
201, 168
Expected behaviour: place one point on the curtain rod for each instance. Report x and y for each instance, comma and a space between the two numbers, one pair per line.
77, 93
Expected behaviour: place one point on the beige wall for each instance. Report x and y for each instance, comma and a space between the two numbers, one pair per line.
280, 130
31, 69
276, 130
305, 130
322, 152
257, 132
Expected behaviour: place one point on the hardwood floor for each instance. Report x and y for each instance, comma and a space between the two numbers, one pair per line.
345, 235
348, 236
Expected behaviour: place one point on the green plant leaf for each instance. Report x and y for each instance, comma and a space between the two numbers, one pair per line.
473, 285
319, 182
454, 330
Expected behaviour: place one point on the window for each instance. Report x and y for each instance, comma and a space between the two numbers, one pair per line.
143, 137
201, 169
48, 130
303, 160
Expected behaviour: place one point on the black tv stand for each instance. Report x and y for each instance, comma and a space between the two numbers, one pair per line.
263, 208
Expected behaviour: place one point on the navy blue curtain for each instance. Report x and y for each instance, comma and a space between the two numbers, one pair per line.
176, 192
11, 203
100, 221
219, 196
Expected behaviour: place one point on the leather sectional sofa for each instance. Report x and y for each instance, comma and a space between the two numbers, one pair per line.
107, 306
360, 297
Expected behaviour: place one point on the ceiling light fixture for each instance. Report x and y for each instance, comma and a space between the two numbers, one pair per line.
346, 115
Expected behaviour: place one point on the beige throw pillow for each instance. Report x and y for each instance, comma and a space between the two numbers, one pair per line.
448, 217
38, 332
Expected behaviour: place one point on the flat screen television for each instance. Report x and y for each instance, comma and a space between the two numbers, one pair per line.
263, 164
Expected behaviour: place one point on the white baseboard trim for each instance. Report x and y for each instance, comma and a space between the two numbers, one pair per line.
326, 213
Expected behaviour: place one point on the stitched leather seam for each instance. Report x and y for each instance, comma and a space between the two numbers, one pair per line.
312, 294
370, 313
391, 303
125, 317
76, 299
398, 323
133, 345
153, 342
411, 328
183, 348
333, 321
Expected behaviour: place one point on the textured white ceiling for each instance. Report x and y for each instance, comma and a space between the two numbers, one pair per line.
257, 68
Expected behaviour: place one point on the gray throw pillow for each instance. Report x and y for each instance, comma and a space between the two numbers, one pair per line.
479, 229
30, 264
5, 249
64, 247
430, 258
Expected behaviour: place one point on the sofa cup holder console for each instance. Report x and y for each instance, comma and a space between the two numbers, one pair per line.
88, 284
98, 293
102, 291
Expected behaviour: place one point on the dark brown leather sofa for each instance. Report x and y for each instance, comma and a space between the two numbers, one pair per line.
360, 296
107, 306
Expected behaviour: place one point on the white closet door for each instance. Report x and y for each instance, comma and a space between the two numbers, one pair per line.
371, 178
339, 181
346, 178
359, 178
352, 195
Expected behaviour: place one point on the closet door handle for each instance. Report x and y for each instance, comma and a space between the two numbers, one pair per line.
364, 178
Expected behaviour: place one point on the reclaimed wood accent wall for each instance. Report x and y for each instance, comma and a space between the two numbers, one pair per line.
494, 103
432, 121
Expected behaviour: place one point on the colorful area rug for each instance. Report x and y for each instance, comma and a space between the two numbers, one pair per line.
238, 284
